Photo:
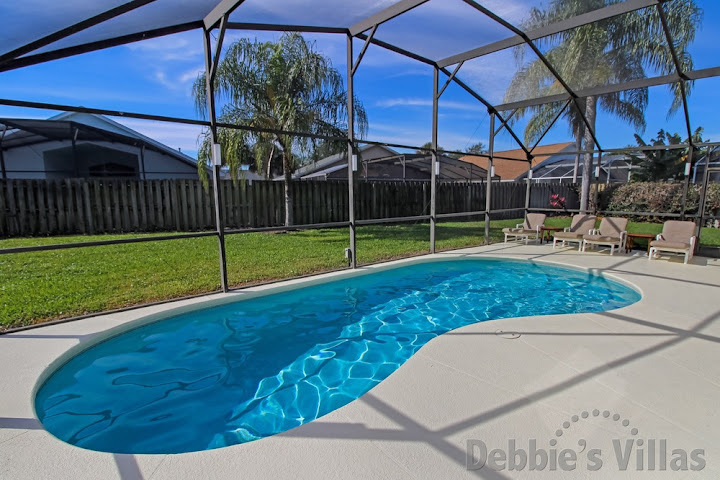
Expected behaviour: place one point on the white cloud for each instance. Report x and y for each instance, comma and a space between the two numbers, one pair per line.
174, 135
490, 75
427, 103
173, 61
412, 72
28, 113
190, 75
181, 82
515, 12
408, 134
81, 94
399, 133
185, 46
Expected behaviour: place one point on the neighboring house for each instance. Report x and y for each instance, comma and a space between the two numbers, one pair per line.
382, 163
509, 170
82, 145
614, 168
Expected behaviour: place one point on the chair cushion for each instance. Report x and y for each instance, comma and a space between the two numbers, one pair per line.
601, 239
534, 220
518, 230
582, 223
612, 226
568, 235
660, 244
677, 231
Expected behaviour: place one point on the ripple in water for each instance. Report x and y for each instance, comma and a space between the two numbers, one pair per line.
239, 372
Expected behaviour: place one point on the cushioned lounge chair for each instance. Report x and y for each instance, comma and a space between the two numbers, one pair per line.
676, 237
581, 225
530, 228
612, 233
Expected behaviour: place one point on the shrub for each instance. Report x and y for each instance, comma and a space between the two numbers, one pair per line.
660, 197
712, 201
604, 195
645, 197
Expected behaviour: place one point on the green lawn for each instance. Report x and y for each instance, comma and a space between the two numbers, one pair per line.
39, 286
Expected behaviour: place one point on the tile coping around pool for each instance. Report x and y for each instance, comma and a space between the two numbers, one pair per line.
665, 388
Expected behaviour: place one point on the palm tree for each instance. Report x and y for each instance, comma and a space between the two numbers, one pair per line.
284, 86
611, 51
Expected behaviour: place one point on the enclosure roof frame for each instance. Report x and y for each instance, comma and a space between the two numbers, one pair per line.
23, 56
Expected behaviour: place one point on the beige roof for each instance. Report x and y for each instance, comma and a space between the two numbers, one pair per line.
508, 169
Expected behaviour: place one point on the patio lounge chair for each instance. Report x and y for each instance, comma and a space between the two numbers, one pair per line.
612, 232
529, 228
581, 225
676, 237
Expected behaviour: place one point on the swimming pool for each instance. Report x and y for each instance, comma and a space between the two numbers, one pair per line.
238, 372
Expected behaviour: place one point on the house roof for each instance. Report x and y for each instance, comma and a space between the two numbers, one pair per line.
450, 168
385, 160
81, 126
509, 170
321, 166
614, 166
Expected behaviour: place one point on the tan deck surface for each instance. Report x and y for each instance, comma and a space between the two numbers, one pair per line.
655, 363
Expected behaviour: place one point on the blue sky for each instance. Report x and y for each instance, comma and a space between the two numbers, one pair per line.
155, 76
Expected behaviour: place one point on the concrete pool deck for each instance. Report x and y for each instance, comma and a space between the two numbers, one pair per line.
655, 363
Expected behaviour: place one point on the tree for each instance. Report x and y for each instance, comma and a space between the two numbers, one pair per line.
478, 149
426, 148
611, 51
284, 86
660, 165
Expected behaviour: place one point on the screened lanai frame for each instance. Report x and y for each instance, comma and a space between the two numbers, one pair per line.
217, 20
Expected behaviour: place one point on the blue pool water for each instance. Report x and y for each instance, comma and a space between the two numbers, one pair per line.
247, 370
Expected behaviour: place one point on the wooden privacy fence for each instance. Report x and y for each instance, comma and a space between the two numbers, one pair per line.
52, 207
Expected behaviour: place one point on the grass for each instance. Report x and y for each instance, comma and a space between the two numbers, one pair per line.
40, 286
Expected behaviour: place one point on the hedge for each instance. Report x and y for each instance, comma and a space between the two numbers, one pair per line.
657, 197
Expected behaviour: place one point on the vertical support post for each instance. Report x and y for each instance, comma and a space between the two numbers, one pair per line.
686, 182
578, 148
142, 162
488, 203
74, 152
351, 150
3, 170
210, 94
597, 182
703, 199
527, 187
434, 163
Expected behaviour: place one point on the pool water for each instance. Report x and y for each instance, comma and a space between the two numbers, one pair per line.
250, 369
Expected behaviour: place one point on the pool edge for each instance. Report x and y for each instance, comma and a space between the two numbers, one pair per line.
284, 286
